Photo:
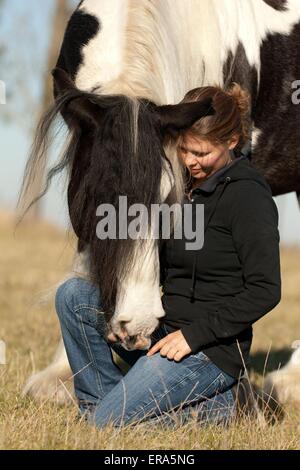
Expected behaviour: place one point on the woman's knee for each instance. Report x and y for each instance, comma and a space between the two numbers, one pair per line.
73, 292
65, 295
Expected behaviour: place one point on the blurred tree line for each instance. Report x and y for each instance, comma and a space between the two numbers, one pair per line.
61, 15
26, 70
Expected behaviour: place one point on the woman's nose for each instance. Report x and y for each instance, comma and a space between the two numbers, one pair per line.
191, 159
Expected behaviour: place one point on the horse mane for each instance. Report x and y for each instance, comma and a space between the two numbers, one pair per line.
120, 153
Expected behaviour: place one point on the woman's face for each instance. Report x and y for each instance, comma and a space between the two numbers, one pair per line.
202, 157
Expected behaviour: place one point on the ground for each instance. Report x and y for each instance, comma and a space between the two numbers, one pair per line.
37, 256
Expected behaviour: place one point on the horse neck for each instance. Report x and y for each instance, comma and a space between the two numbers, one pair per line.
161, 49
167, 49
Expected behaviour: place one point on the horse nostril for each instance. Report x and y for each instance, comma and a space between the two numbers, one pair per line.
138, 342
131, 340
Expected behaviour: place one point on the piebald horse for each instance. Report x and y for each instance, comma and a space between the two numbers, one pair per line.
123, 66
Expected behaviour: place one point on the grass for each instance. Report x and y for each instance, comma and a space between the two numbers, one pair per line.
37, 257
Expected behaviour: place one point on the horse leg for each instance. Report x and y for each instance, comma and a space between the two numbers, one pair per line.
285, 382
48, 384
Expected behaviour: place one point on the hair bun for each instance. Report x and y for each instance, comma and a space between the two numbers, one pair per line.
242, 99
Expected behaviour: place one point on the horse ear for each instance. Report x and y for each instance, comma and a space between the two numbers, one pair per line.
62, 81
77, 106
175, 118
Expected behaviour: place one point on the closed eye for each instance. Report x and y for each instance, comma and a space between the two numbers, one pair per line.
194, 152
200, 154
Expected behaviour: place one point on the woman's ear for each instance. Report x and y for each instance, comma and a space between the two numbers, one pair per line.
175, 118
233, 142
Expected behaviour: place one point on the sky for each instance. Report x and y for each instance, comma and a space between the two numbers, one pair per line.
24, 29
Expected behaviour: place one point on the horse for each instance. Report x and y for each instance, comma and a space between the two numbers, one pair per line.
123, 68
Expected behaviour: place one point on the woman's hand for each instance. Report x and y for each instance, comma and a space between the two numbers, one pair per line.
173, 346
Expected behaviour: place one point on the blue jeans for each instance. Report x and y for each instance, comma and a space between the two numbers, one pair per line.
155, 388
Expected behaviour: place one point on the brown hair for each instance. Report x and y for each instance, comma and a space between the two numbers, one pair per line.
232, 114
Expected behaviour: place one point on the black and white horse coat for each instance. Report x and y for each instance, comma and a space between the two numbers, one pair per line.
158, 50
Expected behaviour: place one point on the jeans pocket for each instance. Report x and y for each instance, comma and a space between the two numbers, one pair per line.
91, 315
196, 362
200, 355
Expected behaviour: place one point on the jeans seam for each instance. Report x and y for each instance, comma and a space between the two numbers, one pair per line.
217, 378
200, 365
229, 408
80, 306
225, 381
233, 404
168, 391
89, 351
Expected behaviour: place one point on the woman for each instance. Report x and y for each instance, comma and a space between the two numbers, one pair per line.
211, 296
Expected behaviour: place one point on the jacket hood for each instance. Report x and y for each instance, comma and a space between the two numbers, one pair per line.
240, 169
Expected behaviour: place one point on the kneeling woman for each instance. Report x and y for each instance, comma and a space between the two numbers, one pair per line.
211, 296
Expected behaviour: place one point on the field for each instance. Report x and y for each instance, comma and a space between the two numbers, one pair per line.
36, 257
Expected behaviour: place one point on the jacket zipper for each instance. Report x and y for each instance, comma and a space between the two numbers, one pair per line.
193, 279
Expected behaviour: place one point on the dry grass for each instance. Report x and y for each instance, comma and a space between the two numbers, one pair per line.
36, 258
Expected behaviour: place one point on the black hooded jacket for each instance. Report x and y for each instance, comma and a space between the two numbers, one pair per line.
215, 294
